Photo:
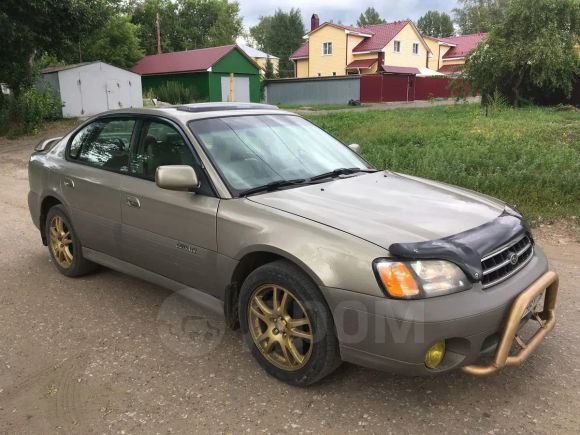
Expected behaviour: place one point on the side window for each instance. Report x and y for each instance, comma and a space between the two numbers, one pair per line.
159, 145
104, 144
327, 48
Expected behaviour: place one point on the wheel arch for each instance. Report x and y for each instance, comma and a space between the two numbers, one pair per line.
47, 203
250, 261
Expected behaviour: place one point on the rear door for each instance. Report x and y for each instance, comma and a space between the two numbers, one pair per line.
168, 232
97, 161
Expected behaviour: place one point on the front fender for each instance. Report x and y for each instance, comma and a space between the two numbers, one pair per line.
331, 257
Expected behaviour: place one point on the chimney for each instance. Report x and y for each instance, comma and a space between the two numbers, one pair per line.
314, 22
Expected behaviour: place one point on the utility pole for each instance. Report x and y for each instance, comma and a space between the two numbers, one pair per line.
158, 34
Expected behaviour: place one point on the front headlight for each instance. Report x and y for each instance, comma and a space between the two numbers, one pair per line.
420, 279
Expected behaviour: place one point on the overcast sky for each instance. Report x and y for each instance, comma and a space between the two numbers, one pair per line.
345, 11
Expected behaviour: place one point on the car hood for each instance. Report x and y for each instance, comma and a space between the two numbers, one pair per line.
385, 208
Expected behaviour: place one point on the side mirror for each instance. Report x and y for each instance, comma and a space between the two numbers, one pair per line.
45, 145
176, 177
355, 147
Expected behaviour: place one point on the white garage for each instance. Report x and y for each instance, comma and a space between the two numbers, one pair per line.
86, 89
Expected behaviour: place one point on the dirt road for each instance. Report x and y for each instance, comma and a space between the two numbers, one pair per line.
112, 354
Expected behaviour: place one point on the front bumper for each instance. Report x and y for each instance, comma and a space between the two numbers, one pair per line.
394, 335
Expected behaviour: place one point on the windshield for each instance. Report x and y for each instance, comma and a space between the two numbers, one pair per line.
256, 150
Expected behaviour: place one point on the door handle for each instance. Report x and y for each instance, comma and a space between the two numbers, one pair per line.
133, 202
68, 182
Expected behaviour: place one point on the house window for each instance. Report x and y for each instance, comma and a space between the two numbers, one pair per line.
397, 46
415, 48
327, 48
334, 73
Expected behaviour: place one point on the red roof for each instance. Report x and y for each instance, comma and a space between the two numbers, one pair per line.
382, 35
301, 52
181, 61
401, 70
463, 44
451, 69
362, 63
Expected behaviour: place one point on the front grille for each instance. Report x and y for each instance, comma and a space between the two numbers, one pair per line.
500, 264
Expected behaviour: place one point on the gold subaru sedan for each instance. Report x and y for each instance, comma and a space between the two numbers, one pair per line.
317, 256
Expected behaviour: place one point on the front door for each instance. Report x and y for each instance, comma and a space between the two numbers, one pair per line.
97, 161
168, 232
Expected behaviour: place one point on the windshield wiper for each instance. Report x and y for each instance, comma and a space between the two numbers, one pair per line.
340, 171
274, 185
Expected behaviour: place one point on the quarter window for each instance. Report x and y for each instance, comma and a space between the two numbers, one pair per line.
104, 144
327, 48
397, 46
415, 48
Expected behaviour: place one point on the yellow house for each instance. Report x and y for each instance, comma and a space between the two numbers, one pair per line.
449, 54
334, 49
261, 58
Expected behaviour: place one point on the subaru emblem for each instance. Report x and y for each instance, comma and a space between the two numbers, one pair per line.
514, 259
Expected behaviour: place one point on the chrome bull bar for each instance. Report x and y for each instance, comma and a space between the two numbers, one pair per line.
546, 319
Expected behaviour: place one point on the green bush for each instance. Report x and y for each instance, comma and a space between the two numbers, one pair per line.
176, 93
27, 111
32, 107
495, 103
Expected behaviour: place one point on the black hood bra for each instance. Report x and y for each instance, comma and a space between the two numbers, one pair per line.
466, 249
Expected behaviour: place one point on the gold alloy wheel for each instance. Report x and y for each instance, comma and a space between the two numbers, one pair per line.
61, 242
280, 327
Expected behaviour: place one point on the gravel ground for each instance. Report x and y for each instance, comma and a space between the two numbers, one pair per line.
109, 353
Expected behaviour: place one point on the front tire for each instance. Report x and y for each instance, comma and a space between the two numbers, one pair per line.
287, 324
64, 246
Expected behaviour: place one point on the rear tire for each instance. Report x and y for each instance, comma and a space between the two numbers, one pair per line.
287, 324
64, 246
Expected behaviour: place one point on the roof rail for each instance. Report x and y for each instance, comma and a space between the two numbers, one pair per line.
214, 107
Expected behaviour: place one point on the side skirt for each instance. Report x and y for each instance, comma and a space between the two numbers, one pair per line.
200, 298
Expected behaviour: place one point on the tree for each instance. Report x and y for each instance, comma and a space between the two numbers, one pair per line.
281, 35
370, 16
269, 70
529, 56
144, 14
57, 27
259, 31
116, 43
187, 24
437, 24
208, 23
476, 16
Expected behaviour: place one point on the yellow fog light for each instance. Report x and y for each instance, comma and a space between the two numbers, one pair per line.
435, 355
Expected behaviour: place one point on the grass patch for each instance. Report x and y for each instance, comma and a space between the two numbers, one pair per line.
528, 157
